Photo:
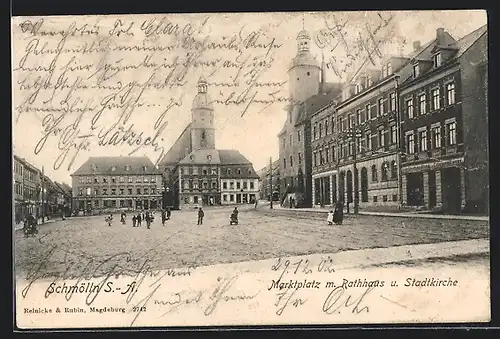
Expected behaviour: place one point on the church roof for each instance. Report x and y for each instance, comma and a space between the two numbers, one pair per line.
117, 166
202, 157
178, 150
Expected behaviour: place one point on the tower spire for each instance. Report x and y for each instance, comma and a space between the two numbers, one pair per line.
303, 27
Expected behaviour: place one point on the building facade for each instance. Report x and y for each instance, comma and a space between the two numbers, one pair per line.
444, 124
27, 189
197, 174
111, 183
308, 93
269, 181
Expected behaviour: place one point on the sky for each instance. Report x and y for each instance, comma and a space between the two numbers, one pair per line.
255, 133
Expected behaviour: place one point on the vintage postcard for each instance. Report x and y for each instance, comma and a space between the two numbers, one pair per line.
230, 169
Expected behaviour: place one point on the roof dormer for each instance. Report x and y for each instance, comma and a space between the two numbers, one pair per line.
420, 66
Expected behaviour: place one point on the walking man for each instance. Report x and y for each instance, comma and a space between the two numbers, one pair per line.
139, 219
134, 220
201, 214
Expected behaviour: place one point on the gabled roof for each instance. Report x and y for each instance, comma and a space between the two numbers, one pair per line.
202, 157
316, 102
116, 166
467, 41
232, 157
177, 152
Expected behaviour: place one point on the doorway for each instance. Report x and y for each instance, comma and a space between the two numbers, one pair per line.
415, 189
432, 189
451, 190
364, 184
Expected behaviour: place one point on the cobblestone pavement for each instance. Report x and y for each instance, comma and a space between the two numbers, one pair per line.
86, 245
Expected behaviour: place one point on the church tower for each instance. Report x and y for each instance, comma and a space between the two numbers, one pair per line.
304, 72
202, 119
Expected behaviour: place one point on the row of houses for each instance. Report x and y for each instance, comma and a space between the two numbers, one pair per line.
35, 193
412, 133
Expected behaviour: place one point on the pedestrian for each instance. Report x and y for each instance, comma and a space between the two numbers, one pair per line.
169, 213
338, 214
348, 207
329, 219
148, 220
109, 219
201, 214
139, 219
235, 212
134, 220
256, 203
163, 217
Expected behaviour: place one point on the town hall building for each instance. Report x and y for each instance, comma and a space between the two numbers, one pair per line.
197, 174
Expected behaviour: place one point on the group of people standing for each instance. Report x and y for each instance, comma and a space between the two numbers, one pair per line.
140, 217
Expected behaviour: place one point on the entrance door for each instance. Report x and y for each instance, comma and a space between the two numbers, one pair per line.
432, 189
364, 184
342, 187
349, 186
415, 189
451, 193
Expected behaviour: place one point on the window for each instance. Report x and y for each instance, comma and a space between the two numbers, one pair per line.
224, 185
224, 197
374, 173
122, 191
320, 130
290, 117
96, 179
186, 200
452, 133
104, 191
113, 191
291, 160
186, 186
315, 133
146, 190
300, 158
80, 191
389, 68
394, 170
327, 155
298, 136
421, 104
122, 179
368, 81
228, 171
231, 197
252, 186
359, 145
245, 185
231, 185
380, 106
450, 93
129, 191
358, 117
145, 179
410, 143
375, 198
214, 170
436, 136
349, 121
409, 108
394, 134
333, 153
291, 139
385, 171
384, 198
96, 191
284, 163
367, 109
284, 142
416, 71
423, 140
113, 168
351, 148
127, 168
238, 185
205, 171
438, 59
326, 127
435, 99
195, 184
333, 124
392, 101
368, 138
381, 137
214, 184
384, 71
357, 88
89, 180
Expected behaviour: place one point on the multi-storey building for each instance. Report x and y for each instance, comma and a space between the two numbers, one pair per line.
444, 125
308, 93
269, 181
104, 183
367, 122
27, 189
196, 173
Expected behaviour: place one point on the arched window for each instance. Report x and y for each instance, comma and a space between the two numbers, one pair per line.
385, 171
374, 173
394, 170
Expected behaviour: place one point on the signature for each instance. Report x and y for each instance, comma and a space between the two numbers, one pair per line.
339, 299
287, 298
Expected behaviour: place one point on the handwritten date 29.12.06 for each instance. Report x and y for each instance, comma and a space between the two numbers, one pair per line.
302, 266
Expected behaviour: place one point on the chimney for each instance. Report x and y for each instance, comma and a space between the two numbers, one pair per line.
440, 36
416, 45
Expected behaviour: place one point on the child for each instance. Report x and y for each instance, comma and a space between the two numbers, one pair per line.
109, 219
330, 218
